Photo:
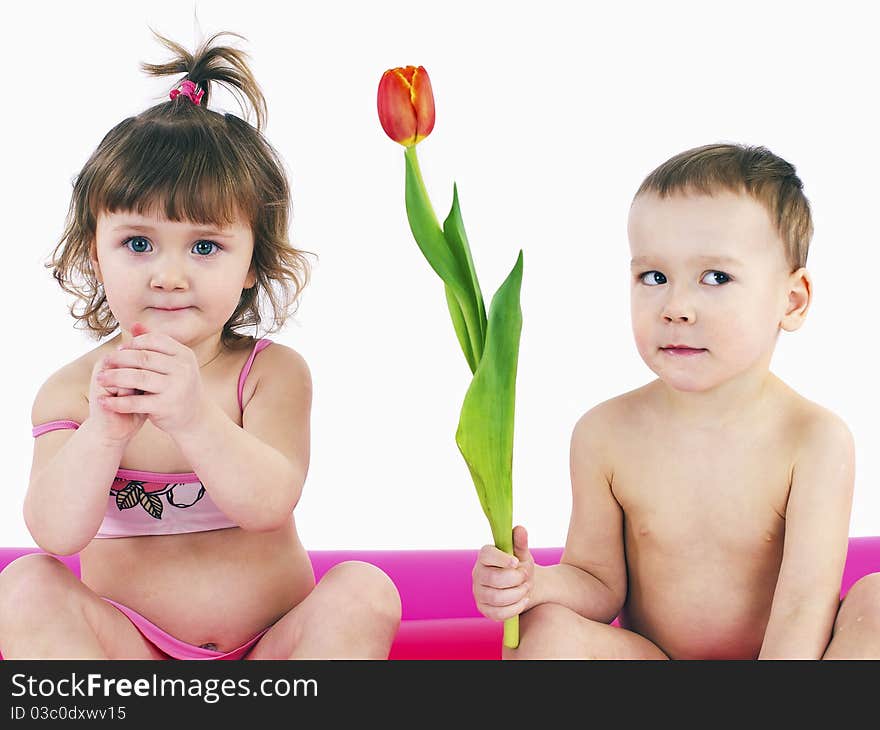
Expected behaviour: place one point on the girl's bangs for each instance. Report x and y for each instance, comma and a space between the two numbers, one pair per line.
163, 171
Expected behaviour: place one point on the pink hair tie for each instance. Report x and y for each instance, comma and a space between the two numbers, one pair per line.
189, 90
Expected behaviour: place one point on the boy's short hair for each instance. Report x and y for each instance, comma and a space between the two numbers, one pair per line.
756, 171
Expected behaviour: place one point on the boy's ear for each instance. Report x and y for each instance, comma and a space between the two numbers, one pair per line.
800, 293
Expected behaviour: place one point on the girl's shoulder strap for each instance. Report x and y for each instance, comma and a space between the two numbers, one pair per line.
53, 426
262, 344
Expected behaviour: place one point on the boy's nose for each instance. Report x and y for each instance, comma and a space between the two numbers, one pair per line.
679, 309
678, 317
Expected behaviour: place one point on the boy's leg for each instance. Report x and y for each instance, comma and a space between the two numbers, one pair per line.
856, 633
551, 631
46, 612
353, 613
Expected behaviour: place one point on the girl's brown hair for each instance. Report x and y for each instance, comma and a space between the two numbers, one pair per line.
194, 164
756, 171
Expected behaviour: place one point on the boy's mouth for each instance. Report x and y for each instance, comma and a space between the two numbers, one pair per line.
682, 350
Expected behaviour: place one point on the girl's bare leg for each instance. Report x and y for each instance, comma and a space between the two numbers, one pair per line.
46, 612
352, 613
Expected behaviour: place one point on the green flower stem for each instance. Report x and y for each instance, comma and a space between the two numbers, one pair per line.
511, 632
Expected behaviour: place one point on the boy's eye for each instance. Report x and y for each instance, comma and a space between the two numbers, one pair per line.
652, 278
715, 278
137, 243
201, 247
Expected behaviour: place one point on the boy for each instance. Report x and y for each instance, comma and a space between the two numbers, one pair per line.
710, 507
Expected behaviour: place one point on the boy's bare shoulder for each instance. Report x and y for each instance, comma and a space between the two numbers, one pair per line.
812, 425
64, 394
617, 415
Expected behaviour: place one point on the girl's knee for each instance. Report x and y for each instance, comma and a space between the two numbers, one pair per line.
32, 583
34, 576
368, 587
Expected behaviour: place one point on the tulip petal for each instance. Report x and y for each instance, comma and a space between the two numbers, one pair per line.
422, 97
396, 112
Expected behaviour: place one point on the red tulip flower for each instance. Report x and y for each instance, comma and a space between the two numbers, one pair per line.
406, 104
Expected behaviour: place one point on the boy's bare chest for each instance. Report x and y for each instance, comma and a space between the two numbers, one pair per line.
729, 489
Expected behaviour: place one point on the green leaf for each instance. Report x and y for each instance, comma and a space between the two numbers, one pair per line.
453, 229
438, 252
485, 428
460, 328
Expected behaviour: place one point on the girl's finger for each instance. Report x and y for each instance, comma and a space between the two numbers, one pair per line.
141, 380
127, 403
153, 341
143, 359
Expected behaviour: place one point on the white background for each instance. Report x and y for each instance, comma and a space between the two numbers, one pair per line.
548, 120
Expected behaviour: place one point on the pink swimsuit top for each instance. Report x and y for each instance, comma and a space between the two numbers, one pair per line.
155, 503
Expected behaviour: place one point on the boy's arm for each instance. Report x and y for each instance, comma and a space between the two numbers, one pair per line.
807, 594
255, 473
591, 576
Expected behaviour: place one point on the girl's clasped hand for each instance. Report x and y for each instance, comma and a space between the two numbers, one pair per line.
154, 377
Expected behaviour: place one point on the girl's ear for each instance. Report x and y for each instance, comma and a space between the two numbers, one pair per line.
251, 278
93, 258
800, 293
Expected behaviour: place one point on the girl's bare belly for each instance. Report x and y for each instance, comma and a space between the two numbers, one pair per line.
218, 588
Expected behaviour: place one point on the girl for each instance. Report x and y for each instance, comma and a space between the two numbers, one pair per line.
176, 230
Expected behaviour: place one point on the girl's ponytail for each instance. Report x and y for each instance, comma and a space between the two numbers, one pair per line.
221, 64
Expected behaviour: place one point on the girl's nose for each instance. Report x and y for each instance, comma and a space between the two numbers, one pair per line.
169, 274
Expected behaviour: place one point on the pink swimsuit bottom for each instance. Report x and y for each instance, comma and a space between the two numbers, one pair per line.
175, 648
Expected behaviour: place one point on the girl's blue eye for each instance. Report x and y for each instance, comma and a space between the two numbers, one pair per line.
715, 278
652, 278
137, 241
139, 244
198, 248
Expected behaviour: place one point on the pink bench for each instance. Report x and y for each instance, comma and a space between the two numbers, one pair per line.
440, 620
